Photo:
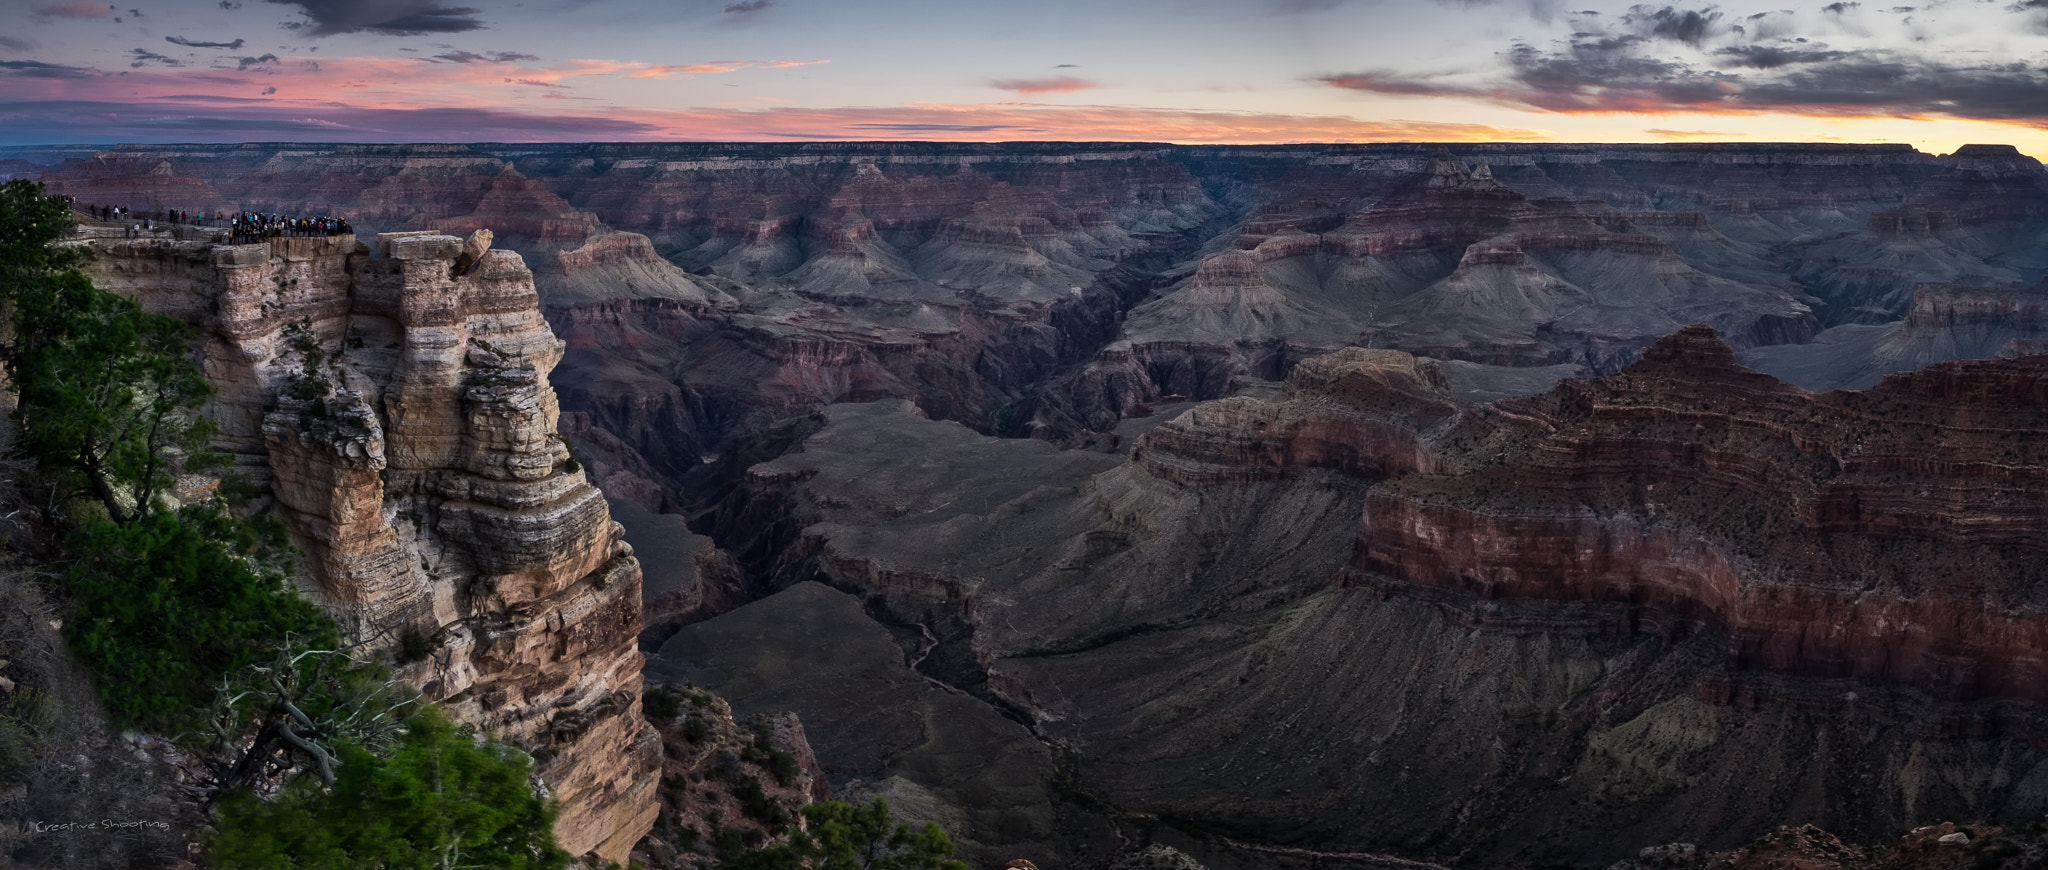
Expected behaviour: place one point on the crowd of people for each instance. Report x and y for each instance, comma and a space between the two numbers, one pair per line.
240, 227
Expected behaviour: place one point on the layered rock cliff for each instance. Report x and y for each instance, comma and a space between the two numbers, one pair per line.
1682, 602
1047, 289
394, 405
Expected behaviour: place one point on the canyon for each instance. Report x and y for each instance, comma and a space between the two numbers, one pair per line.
1477, 504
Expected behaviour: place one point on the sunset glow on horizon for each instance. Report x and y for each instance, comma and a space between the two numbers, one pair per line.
1934, 76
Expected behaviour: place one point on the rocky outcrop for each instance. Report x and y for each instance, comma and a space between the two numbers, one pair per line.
394, 404
1889, 535
1947, 322
1685, 601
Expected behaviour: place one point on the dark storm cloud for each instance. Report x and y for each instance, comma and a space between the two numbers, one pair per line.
259, 60
13, 44
748, 7
194, 43
1623, 74
1690, 26
143, 56
270, 90
486, 57
1840, 6
1773, 56
391, 17
35, 69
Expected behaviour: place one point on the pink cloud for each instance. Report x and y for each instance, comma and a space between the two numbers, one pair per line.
75, 9
401, 99
181, 118
1031, 87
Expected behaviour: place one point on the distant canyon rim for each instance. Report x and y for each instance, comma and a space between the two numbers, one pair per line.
1500, 504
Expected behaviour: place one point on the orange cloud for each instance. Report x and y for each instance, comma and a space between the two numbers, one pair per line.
716, 67
1683, 135
1030, 87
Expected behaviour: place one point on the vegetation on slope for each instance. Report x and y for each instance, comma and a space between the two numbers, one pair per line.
185, 616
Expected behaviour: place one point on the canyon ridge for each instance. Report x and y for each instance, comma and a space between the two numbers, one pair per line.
1488, 505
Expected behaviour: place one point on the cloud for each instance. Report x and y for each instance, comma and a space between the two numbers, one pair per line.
748, 7
1032, 87
1773, 57
13, 44
1620, 75
270, 90
1690, 26
1690, 134
536, 83
1295, 7
84, 9
1389, 82
1066, 66
716, 67
94, 120
392, 17
144, 56
1840, 7
194, 43
486, 57
32, 69
259, 60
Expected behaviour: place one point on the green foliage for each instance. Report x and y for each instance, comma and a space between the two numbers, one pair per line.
660, 705
167, 606
109, 393
696, 728
414, 645
757, 805
439, 800
29, 718
763, 751
30, 225
845, 836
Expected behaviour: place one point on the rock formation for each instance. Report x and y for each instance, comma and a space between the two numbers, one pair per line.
395, 407
1047, 289
1682, 602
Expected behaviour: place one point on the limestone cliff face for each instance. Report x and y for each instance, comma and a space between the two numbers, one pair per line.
397, 409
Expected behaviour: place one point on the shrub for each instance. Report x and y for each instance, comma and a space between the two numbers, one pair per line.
414, 645
845, 836
695, 729
660, 705
440, 799
169, 605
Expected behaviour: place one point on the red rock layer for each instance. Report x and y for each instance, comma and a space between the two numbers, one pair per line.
1895, 534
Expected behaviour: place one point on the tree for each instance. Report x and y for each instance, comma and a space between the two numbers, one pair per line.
109, 395
441, 800
843, 836
30, 225
290, 712
168, 605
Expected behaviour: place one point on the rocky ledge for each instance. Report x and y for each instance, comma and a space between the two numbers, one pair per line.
394, 403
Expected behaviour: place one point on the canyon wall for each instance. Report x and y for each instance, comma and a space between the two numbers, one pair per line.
1685, 601
393, 404
1050, 288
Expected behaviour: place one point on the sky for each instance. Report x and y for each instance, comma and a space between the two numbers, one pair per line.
1936, 75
